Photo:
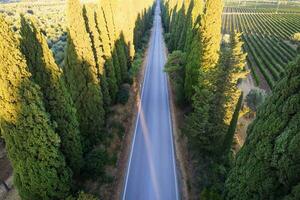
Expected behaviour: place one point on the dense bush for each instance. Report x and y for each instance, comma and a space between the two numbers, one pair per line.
123, 94
255, 98
175, 68
94, 163
83, 196
296, 37
267, 167
136, 65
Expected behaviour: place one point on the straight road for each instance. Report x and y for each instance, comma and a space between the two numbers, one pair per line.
151, 173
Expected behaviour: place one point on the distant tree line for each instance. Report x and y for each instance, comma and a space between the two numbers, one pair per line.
205, 72
52, 119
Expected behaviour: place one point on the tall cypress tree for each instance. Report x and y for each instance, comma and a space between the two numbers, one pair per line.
111, 31
40, 170
82, 76
116, 63
267, 166
121, 49
211, 23
107, 53
90, 16
236, 71
194, 49
57, 100
193, 18
192, 69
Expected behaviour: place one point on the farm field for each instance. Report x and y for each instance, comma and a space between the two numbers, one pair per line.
267, 34
50, 17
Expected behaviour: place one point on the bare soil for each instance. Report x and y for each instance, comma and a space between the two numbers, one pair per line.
241, 130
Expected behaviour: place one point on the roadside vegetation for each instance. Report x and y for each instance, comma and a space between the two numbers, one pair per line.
58, 120
206, 69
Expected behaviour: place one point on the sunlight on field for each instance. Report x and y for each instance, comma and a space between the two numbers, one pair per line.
50, 16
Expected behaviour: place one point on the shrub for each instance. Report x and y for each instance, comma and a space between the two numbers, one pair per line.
94, 163
123, 94
296, 37
83, 196
136, 65
255, 98
208, 194
175, 69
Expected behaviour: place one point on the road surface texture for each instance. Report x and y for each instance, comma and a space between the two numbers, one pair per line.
151, 173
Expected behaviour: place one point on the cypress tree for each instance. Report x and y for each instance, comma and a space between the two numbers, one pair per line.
228, 139
111, 31
107, 53
192, 67
116, 63
121, 49
267, 166
210, 29
193, 18
138, 33
194, 48
186, 25
236, 71
82, 76
94, 32
56, 98
40, 170
197, 124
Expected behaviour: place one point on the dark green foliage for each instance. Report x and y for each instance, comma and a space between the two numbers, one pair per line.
192, 68
255, 98
111, 79
123, 94
208, 194
267, 167
123, 60
57, 100
136, 65
175, 68
94, 163
138, 31
83, 196
142, 28
33, 147
197, 124
116, 63
228, 140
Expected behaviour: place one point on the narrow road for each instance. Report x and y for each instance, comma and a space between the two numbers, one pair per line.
151, 173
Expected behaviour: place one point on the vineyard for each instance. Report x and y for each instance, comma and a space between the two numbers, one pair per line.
267, 35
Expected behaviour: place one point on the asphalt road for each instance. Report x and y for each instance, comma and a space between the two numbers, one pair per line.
151, 173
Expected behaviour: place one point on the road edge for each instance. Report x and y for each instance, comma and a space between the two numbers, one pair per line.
128, 139
181, 168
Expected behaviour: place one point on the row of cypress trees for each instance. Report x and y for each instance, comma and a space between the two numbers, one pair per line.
211, 70
210, 77
51, 118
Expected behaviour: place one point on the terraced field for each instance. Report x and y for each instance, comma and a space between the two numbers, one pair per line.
267, 36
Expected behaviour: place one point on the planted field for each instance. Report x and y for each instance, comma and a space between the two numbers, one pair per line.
50, 18
268, 39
